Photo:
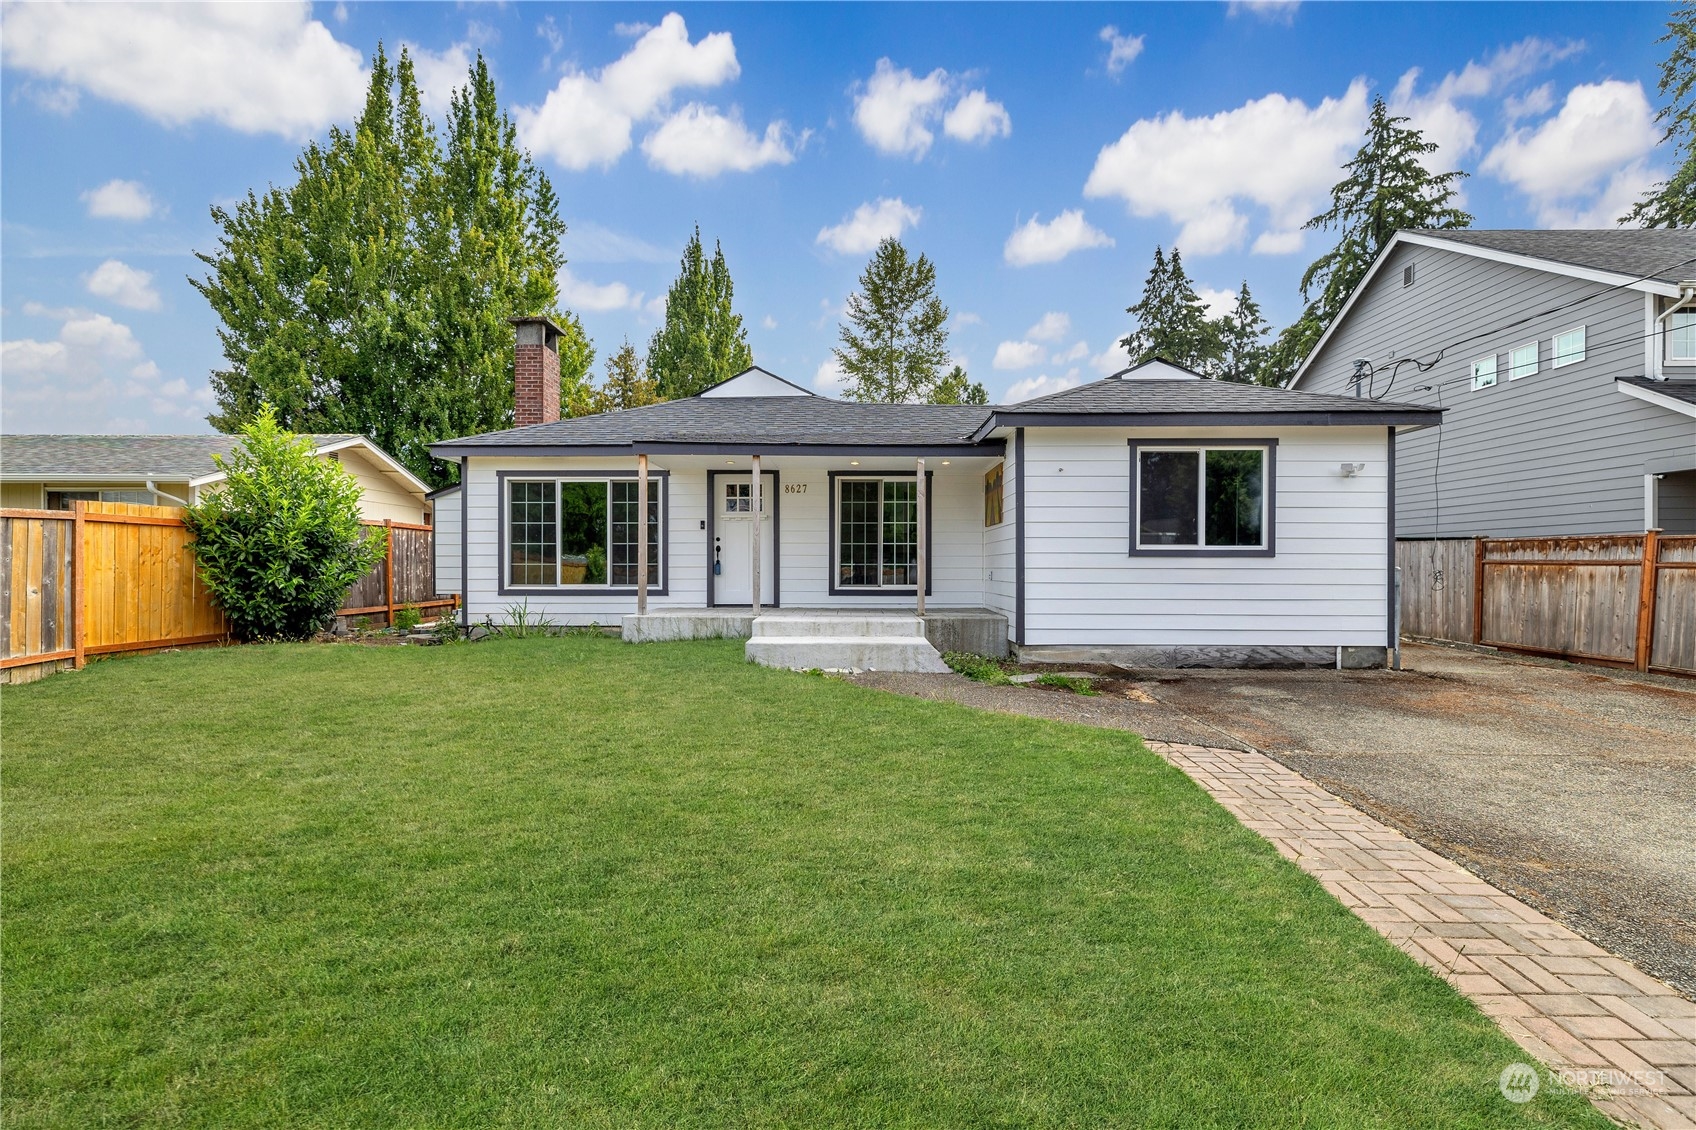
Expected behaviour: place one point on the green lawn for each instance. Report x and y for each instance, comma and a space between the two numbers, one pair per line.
569, 882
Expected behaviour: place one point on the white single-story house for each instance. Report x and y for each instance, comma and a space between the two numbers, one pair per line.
1152, 518
50, 472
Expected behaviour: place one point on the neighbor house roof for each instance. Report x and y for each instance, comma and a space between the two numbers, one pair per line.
1680, 396
1666, 254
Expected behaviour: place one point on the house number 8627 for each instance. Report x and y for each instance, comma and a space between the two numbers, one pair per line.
794, 488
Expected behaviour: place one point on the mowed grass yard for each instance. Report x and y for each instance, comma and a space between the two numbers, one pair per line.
570, 882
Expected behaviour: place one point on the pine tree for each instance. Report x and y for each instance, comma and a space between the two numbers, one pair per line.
896, 342
1388, 188
628, 383
703, 340
1672, 203
1242, 334
372, 294
1171, 320
957, 388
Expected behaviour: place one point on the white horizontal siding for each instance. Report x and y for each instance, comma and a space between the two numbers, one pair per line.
446, 541
1326, 586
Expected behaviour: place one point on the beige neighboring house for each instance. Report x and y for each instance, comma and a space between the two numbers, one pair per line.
50, 472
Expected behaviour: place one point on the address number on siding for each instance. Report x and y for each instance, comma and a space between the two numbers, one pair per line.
794, 488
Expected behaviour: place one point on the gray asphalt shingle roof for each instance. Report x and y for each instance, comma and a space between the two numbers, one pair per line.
120, 457
1668, 255
1161, 397
1678, 390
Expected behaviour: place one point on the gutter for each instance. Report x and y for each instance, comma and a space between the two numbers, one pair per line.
157, 493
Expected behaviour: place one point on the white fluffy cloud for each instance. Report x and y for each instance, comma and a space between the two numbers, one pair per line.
700, 141
257, 68
1596, 146
1276, 153
1019, 354
1440, 113
587, 119
123, 284
1078, 351
1110, 360
1218, 302
870, 224
1122, 50
830, 379
119, 200
1272, 11
1052, 326
580, 294
1037, 242
1038, 386
439, 73
91, 376
976, 118
895, 111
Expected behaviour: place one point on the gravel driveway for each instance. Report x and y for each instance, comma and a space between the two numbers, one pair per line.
1571, 787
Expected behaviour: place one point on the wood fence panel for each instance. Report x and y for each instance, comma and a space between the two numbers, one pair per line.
36, 614
142, 589
1583, 610
1674, 642
1437, 587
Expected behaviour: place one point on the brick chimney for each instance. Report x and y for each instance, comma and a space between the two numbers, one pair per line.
535, 372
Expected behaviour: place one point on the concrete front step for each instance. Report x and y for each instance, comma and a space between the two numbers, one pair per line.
845, 653
869, 624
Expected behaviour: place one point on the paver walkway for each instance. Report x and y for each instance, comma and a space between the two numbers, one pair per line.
1601, 1024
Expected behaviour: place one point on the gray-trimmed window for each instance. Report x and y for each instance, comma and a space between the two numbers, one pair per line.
580, 532
1203, 498
874, 533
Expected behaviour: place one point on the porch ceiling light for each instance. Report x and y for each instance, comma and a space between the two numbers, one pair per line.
853, 462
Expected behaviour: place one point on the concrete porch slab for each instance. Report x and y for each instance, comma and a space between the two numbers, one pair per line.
979, 630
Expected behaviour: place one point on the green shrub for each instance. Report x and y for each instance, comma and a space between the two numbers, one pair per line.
279, 541
1068, 683
978, 667
408, 617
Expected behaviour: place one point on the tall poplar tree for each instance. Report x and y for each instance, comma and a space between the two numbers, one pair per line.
1672, 203
1387, 188
1171, 320
372, 294
703, 340
896, 340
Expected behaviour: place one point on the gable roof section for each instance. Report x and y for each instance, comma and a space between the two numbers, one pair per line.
753, 376
1652, 260
1117, 401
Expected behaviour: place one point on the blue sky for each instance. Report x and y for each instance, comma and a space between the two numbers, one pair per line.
1037, 154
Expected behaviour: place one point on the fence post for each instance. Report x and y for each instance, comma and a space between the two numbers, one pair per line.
1646, 599
389, 568
79, 587
1478, 555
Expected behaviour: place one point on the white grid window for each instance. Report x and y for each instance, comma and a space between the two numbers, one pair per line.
1681, 337
579, 532
1569, 347
1484, 372
1522, 362
877, 533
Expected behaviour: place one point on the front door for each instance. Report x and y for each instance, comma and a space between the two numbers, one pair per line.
733, 536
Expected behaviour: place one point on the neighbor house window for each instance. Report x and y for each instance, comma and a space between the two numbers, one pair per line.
579, 532
877, 532
1201, 498
1681, 337
1522, 362
992, 495
66, 499
1484, 372
1569, 347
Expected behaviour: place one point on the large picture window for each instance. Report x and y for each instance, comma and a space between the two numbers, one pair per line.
877, 533
580, 532
1202, 499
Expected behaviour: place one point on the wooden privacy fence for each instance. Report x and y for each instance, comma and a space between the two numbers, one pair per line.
1626, 600
113, 577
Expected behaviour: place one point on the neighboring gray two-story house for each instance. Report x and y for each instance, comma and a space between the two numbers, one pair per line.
1566, 361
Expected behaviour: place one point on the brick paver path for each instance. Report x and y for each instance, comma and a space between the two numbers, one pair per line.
1595, 1019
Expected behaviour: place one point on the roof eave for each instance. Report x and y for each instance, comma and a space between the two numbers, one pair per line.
452, 450
1366, 417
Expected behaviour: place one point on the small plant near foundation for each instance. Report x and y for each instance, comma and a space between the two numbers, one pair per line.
408, 617
447, 629
1068, 683
521, 623
979, 668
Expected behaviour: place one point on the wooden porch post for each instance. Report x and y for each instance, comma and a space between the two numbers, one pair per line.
924, 548
754, 505
1646, 600
642, 534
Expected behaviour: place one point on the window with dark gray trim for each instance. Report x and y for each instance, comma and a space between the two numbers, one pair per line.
579, 532
1202, 498
877, 532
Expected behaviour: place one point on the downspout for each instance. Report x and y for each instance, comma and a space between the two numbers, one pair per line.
1686, 300
157, 493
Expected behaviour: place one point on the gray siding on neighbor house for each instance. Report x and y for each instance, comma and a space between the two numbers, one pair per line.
1561, 451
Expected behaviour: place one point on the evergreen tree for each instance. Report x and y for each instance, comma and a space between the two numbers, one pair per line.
576, 357
372, 294
957, 388
896, 342
1242, 335
1172, 321
1672, 203
1387, 188
628, 383
702, 341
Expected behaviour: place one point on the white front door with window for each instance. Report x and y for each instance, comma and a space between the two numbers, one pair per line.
733, 535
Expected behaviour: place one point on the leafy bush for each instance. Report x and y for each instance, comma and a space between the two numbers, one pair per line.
408, 617
279, 541
978, 667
